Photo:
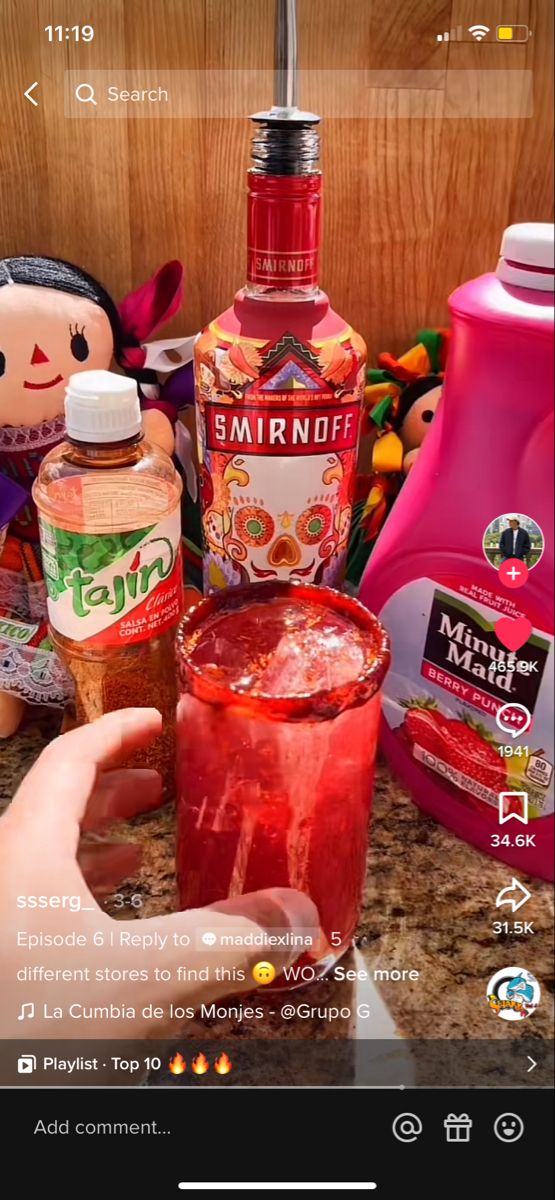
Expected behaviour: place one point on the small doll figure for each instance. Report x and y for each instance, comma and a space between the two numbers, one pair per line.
55, 320
400, 403
417, 409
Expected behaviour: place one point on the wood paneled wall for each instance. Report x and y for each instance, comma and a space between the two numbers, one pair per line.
413, 206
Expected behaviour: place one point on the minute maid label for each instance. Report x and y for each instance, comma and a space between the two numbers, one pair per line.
113, 589
450, 675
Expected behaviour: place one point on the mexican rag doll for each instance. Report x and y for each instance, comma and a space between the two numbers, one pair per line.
55, 320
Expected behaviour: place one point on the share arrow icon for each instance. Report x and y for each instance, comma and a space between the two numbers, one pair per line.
515, 895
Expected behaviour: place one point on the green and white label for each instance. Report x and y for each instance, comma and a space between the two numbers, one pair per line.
114, 588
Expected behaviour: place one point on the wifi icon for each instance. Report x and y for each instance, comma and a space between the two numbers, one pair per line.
478, 31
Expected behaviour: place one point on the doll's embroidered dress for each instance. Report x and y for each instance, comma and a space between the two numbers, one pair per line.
28, 665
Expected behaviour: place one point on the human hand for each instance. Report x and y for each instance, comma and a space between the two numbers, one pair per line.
76, 785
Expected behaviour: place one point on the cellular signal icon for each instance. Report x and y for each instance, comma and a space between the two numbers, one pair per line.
455, 35
478, 32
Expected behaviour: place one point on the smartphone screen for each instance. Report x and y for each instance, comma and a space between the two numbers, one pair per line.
278, 893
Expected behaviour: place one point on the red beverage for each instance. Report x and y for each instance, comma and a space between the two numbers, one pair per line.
277, 732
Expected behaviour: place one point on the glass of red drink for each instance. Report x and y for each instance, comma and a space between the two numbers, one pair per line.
277, 727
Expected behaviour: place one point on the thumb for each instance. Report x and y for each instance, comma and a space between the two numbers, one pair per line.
285, 924
275, 926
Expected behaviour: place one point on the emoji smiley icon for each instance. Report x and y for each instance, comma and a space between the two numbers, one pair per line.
509, 1127
263, 972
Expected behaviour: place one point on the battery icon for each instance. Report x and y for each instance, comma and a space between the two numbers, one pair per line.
512, 33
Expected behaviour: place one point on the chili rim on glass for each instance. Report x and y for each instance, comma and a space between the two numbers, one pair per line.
312, 706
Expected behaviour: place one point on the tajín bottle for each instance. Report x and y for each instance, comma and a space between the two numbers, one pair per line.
110, 530
279, 376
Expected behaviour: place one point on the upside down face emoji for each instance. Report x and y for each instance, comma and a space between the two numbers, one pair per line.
263, 972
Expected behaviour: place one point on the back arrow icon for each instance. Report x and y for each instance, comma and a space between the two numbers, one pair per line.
28, 95
533, 1062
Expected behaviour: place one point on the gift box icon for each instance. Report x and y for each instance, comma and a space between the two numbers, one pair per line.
457, 1129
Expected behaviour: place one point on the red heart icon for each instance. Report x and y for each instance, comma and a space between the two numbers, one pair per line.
513, 632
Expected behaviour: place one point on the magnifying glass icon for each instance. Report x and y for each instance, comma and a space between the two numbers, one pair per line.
84, 92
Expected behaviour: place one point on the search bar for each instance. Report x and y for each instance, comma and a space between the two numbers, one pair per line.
332, 93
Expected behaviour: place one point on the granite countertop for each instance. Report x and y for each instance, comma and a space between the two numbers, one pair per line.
429, 905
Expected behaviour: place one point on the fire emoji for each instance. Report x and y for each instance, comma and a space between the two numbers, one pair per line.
223, 1064
177, 1064
200, 1064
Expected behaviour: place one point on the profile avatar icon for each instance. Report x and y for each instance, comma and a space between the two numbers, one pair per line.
513, 541
513, 994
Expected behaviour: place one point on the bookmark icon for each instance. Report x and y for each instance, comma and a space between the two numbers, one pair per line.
513, 806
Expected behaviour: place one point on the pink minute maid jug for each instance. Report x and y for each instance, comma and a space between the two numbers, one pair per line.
489, 452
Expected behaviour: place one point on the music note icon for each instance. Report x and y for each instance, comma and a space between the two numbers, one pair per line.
27, 1010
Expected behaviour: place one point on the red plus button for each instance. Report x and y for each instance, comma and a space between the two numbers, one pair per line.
513, 573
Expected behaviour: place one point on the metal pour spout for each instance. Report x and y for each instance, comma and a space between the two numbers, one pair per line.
286, 140
286, 90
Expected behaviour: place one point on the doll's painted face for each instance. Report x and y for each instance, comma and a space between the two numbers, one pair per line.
46, 336
416, 425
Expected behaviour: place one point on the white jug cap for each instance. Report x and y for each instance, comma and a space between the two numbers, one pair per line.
528, 256
102, 407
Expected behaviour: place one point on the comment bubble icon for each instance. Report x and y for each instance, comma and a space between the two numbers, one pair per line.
513, 719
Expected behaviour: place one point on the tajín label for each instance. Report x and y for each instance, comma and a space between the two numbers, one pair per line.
114, 589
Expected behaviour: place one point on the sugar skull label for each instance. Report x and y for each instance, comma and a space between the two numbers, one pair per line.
278, 429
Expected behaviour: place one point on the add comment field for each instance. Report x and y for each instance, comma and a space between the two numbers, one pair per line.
154, 94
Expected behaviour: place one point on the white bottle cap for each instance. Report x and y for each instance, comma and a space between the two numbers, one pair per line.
102, 407
528, 256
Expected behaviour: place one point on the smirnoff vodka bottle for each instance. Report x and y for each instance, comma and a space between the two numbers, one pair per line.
279, 381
